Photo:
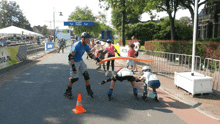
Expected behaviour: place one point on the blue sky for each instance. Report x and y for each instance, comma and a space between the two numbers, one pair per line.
40, 12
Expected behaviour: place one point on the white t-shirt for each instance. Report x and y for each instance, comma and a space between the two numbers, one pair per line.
136, 45
125, 72
149, 77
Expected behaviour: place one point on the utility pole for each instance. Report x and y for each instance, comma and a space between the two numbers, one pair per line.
54, 24
123, 23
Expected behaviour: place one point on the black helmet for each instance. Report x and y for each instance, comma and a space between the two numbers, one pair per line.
85, 35
109, 41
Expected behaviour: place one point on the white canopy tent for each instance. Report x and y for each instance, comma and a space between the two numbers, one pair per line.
16, 30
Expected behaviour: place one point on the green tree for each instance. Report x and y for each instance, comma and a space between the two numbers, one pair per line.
130, 18
122, 6
101, 17
9, 9
83, 14
169, 6
185, 20
45, 31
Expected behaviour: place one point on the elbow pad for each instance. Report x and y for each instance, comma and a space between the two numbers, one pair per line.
70, 56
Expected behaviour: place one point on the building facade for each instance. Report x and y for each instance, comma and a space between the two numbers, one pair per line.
209, 21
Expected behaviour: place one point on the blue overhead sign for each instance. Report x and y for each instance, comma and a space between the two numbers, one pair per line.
78, 23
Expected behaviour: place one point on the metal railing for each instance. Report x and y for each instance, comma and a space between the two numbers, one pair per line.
166, 63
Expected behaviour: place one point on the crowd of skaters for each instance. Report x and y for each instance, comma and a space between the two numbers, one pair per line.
104, 50
98, 51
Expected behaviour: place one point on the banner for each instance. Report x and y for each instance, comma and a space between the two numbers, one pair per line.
49, 45
117, 47
78, 23
124, 51
12, 55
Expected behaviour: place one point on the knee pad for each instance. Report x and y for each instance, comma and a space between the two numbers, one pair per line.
109, 79
113, 78
74, 80
86, 75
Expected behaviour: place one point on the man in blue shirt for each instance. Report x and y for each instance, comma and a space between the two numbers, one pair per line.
77, 64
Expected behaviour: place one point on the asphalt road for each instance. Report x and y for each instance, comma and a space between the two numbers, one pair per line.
35, 96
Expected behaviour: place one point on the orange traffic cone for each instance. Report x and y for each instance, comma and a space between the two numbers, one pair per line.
79, 107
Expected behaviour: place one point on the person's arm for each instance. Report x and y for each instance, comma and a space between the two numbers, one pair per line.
72, 61
116, 52
140, 79
138, 47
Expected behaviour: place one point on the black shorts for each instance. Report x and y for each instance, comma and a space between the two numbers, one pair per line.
129, 78
136, 54
111, 55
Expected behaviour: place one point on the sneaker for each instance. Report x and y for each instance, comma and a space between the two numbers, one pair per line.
106, 73
113, 73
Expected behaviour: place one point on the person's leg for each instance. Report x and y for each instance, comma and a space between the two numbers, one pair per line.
106, 73
63, 49
111, 90
104, 66
155, 93
113, 65
84, 72
127, 63
135, 67
144, 96
73, 78
133, 83
108, 64
58, 50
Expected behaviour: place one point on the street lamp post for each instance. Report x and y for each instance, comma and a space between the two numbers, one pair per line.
54, 21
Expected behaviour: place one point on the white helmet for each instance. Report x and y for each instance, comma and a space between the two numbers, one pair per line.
146, 68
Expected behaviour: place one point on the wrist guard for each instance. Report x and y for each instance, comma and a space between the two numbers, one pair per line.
97, 59
91, 55
73, 67
138, 80
103, 82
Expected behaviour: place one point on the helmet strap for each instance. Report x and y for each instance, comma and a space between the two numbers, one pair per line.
84, 42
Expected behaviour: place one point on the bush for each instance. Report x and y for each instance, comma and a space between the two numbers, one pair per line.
212, 40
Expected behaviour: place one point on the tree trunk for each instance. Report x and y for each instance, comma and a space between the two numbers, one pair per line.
172, 26
123, 24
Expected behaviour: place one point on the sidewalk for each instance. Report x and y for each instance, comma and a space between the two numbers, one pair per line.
206, 104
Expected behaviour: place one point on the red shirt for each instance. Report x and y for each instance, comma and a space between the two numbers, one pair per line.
131, 53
